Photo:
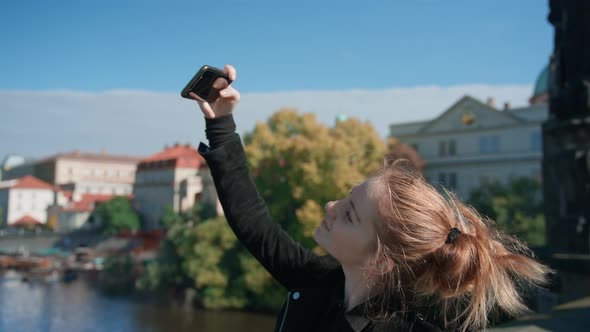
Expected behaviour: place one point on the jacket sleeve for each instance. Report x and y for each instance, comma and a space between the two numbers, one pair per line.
287, 261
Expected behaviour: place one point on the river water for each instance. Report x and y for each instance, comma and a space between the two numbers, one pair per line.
78, 306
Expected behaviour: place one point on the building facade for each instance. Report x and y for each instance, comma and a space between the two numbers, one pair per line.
82, 173
473, 142
77, 214
176, 178
25, 201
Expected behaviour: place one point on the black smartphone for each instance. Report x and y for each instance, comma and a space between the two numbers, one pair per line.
202, 83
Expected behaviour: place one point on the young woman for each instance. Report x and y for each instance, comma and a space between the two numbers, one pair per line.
402, 257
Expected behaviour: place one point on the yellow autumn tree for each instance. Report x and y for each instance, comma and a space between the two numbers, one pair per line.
300, 164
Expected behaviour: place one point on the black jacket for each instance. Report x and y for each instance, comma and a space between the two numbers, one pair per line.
315, 283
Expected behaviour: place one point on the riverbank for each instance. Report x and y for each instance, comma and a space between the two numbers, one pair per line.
80, 306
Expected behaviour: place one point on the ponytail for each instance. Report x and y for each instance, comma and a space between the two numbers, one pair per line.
443, 249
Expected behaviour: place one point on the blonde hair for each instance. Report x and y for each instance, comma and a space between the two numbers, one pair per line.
481, 270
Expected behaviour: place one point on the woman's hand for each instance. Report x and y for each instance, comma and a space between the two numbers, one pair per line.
228, 96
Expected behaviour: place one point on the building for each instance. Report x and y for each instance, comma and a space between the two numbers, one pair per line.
16, 162
82, 173
73, 215
25, 201
79, 180
176, 178
473, 142
541, 91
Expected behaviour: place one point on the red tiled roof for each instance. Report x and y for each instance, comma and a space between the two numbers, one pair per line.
26, 220
31, 182
87, 203
177, 156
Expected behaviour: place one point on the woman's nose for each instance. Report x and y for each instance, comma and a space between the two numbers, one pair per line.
328, 207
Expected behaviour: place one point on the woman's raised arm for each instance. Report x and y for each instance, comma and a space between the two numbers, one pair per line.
287, 261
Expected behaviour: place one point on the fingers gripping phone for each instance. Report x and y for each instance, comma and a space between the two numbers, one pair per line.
202, 83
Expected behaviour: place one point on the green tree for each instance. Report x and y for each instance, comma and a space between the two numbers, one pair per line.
300, 164
517, 207
167, 272
205, 255
117, 215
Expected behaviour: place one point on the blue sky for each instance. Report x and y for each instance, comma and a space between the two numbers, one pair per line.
276, 45
106, 75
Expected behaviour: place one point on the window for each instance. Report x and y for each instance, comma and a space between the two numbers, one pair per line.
442, 178
495, 145
483, 144
453, 180
448, 180
442, 148
447, 148
489, 144
536, 141
452, 147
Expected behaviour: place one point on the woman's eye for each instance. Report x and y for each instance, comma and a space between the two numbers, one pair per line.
348, 216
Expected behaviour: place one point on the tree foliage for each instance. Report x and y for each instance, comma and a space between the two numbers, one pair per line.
517, 207
117, 215
205, 255
300, 164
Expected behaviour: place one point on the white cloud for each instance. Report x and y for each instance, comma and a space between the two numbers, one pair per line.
136, 122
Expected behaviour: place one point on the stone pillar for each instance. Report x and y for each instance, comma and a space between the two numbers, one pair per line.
566, 133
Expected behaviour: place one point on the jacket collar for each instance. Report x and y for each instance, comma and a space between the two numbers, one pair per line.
357, 320
358, 317
355, 317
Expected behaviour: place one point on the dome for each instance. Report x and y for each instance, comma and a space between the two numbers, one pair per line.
542, 83
341, 117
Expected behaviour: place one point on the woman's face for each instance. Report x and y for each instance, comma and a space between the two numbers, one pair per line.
348, 231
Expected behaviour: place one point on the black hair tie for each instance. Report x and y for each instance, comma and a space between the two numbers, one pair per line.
452, 235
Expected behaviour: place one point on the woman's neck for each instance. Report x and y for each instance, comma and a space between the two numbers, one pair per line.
357, 288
